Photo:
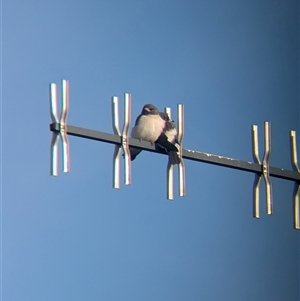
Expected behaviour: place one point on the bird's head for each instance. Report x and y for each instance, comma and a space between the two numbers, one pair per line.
150, 109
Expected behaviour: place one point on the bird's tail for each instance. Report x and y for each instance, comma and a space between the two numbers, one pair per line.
163, 142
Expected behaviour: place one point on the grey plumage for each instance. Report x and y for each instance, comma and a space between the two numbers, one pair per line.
169, 129
171, 132
149, 124
152, 126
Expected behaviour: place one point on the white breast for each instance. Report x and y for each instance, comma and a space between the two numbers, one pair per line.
149, 128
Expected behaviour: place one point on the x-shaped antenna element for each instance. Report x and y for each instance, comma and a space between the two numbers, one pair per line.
181, 167
60, 126
265, 169
124, 140
297, 184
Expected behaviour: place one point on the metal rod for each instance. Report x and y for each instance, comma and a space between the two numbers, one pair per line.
256, 184
115, 115
65, 101
186, 153
54, 140
116, 167
125, 146
255, 153
293, 145
117, 150
266, 163
181, 167
63, 126
296, 206
257, 177
170, 169
54, 155
170, 181
66, 153
296, 192
127, 113
180, 124
53, 102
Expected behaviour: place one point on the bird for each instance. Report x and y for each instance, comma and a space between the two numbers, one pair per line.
150, 126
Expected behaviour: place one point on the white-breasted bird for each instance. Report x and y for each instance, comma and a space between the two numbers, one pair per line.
150, 126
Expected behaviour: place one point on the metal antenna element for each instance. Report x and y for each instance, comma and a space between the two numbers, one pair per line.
265, 169
125, 145
297, 184
181, 167
124, 140
170, 170
117, 151
257, 178
59, 128
121, 140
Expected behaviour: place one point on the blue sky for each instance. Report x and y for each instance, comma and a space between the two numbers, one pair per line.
72, 237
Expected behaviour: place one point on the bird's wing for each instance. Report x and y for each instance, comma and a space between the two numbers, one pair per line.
163, 142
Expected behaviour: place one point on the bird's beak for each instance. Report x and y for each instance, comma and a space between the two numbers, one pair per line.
147, 109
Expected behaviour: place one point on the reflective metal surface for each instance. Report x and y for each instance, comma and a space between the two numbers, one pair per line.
257, 177
125, 145
296, 191
181, 167
54, 139
117, 149
170, 170
266, 165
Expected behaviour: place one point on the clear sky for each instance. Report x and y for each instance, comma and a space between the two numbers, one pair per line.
232, 64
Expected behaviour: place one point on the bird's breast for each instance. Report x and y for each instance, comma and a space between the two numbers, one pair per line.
148, 128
